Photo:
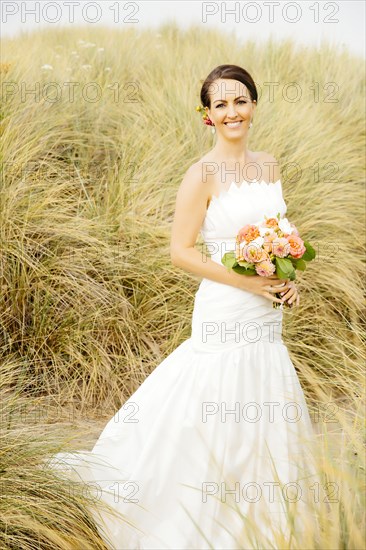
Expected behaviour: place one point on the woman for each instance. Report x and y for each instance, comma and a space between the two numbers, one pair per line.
199, 454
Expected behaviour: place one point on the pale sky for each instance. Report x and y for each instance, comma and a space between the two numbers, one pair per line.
308, 22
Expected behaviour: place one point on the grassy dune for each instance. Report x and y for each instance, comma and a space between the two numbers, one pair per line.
90, 303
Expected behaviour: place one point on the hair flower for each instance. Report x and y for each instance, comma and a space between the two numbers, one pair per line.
206, 119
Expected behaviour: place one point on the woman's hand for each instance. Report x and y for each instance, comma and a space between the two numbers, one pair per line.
268, 286
291, 295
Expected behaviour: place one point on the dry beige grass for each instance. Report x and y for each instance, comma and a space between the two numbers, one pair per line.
88, 295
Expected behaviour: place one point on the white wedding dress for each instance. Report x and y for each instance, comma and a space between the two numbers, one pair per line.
206, 444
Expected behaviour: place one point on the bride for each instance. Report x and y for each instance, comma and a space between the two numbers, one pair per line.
211, 450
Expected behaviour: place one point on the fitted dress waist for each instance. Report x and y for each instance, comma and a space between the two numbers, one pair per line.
226, 317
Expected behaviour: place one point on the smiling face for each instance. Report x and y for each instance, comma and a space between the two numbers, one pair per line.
231, 106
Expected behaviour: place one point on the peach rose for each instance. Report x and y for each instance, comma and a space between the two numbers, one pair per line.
297, 247
265, 268
281, 247
268, 242
253, 253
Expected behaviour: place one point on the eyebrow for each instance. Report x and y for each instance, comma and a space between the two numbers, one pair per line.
245, 97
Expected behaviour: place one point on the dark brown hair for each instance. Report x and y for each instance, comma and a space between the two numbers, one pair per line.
227, 71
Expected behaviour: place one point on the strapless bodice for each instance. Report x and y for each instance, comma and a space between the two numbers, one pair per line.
240, 204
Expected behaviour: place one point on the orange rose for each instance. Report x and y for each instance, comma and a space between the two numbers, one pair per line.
271, 222
248, 233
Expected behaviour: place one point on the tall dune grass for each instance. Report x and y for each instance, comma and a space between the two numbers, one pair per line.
90, 303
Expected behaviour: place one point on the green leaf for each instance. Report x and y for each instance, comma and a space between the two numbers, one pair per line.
229, 259
246, 264
285, 269
310, 252
244, 270
299, 264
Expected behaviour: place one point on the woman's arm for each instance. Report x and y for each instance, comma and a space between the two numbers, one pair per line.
190, 211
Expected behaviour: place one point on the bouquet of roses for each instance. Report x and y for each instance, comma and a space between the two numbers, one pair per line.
271, 246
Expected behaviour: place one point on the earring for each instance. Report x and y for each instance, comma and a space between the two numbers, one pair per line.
250, 125
213, 129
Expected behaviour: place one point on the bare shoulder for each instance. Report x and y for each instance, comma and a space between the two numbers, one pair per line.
270, 166
194, 182
193, 177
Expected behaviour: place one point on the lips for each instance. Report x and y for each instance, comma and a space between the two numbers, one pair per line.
233, 124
